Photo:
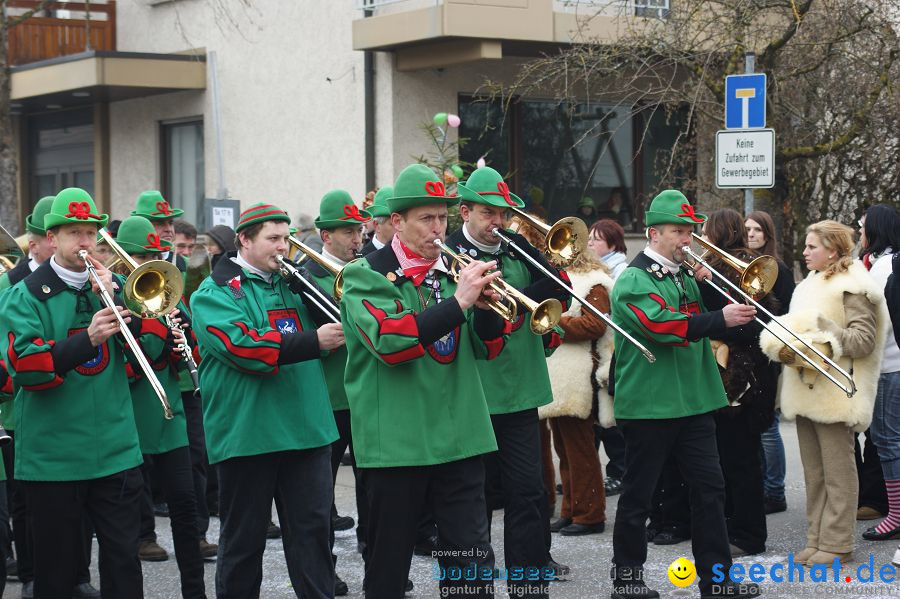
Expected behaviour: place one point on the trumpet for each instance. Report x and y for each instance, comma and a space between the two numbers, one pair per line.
564, 240
186, 354
313, 293
107, 300
584, 303
544, 315
757, 278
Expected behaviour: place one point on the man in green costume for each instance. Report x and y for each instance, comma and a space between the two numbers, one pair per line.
517, 382
39, 248
419, 417
666, 408
164, 443
78, 450
154, 207
269, 424
340, 224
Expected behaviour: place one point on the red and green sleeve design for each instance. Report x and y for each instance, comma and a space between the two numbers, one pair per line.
223, 332
29, 358
651, 314
6, 387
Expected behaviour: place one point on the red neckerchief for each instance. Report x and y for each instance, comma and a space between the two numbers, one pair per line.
414, 266
867, 261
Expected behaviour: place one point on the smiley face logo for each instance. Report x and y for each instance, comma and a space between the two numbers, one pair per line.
682, 572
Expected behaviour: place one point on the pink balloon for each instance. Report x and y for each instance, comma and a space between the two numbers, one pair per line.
453, 120
481, 163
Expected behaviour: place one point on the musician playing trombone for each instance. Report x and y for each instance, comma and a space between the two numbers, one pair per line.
340, 224
164, 443
77, 442
268, 421
666, 408
419, 416
516, 383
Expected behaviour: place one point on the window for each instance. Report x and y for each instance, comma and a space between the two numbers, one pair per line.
183, 177
590, 160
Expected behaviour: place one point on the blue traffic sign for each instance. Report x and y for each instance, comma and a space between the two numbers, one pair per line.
745, 101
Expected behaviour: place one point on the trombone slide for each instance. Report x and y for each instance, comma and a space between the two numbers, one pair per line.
313, 293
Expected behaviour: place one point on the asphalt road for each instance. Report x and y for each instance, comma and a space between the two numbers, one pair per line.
588, 556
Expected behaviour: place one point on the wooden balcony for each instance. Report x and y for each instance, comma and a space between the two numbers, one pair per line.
44, 37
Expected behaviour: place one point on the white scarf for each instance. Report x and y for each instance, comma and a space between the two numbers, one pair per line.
488, 249
72, 278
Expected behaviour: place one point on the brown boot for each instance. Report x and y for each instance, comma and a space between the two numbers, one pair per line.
150, 551
868, 513
803, 556
208, 550
827, 558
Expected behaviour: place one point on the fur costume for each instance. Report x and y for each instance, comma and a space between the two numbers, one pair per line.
575, 364
808, 393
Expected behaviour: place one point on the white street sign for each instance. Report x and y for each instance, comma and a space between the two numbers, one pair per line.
745, 158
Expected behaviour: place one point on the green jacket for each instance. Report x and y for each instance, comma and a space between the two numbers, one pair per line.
7, 280
335, 362
74, 414
156, 434
415, 394
262, 381
668, 317
517, 380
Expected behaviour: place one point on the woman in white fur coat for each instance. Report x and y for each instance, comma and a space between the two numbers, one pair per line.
839, 308
579, 369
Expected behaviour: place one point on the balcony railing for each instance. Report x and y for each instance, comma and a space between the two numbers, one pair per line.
638, 8
60, 29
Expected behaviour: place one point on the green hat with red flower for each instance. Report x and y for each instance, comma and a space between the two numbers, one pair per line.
260, 213
337, 210
136, 235
418, 185
34, 222
379, 206
151, 205
71, 206
486, 186
671, 207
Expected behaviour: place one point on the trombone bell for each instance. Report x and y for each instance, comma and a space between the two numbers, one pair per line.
563, 241
757, 277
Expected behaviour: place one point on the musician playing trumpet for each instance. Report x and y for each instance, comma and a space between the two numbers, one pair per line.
78, 449
417, 406
164, 443
268, 421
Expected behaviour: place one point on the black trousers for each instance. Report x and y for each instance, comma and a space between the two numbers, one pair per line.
21, 524
300, 483
193, 412
614, 446
692, 440
514, 477
670, 510
745, 510
4, 535
173, 469
58, 512
342, 419
397, 497
872, 491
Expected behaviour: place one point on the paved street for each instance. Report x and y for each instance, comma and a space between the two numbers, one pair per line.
589, 557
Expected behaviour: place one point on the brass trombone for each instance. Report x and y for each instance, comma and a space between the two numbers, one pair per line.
130, 341
564, 240
10, 250
584, 303
335, 269
313, 293
758, 279
544, 315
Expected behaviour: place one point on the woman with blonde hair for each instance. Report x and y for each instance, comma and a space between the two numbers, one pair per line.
840, 309
579, 372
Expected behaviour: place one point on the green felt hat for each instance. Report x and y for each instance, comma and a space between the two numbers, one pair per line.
379, 206
486, 186
34, 222
586, 202
671, 207
337, 210
260, 213
73, 205
153, 206
138, 236
418, 185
